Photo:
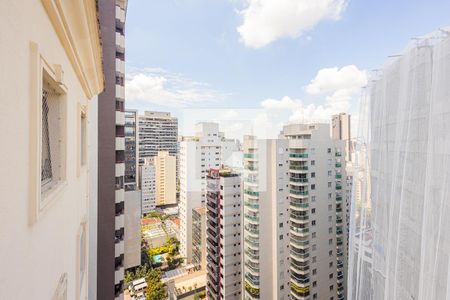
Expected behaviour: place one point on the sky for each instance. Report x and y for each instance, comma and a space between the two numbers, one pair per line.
254, 65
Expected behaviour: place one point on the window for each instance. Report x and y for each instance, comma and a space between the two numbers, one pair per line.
313, 211
314, 271
313, 235
329, 173
313, 222
329, 184
313, 198
52, 138
314, 259
313, 163
313, 186
313, 175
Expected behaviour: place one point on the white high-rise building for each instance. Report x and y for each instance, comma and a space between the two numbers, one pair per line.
294, 213
223, 240
318, 226
148, 186
207, 149
265, 219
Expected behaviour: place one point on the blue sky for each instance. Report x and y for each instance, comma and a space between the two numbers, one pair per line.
257, 59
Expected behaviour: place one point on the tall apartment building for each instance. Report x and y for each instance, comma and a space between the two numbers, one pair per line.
206, 150
223, 241
148, 186
199, 238
403, 214
158, 131
111, 153
51, 76
131, 150
165, 176
317, 216
265, 219
341, 130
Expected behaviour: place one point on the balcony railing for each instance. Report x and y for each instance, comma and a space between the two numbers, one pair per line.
296, 179
338, 176
338, 165
299, 204
252, 217
300, 193
298, 155
298, 167
251, 204
251, 193
250, 155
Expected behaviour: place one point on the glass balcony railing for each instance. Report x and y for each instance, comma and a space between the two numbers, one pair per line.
250, 155
338, 187
251, 204
251, 168
252, 266
251, 193
338, 198
338, 154
300, 193
296, 179
299, 217
253, 242
252, 217
298, 155
299, 230
338, 176
298, 167
299, 204
338, 165
252, 230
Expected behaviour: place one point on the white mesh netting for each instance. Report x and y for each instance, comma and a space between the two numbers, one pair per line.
400, 234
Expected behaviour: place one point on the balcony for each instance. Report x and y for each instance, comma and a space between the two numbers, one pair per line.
250, 288
300, 256
338, 154
338, 176
250, 155
338, 165
298, 180
299, 230
296, 205
298, 218
298, 155
299, 242
298, 168
252, 242
253, 267
338, 198
251, 193
253, 280
338, 186
120, 169
252, 254
252, 218
299, 280
298, 192
251, 205
251, 230
251, 168
120, 66
120, 92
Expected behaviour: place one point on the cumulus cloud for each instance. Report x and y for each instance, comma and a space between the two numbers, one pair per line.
338, 90
265, 21
348, 78
157, 86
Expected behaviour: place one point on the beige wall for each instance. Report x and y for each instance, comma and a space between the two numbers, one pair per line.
41, 244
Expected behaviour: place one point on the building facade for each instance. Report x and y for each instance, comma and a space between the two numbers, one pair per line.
223, 235
199, 238
49, 92
166, 185
265, 219
206, 150
158, 131
111, 153
148, 186
317, 214
131, 150
341, 130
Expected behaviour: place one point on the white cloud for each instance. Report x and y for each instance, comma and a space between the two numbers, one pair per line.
284, 103
265, 21
347, 79
157, 86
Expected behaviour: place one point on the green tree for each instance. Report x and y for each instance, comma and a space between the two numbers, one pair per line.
156, 290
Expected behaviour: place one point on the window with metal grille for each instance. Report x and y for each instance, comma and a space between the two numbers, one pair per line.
51, 154
46, 159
